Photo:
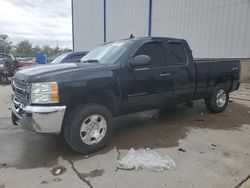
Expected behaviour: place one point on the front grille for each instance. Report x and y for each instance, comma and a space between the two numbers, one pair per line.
20, 91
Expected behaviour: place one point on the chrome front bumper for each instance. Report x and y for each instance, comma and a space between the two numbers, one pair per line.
42, 119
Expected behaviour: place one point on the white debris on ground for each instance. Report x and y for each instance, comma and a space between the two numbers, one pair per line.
145, 159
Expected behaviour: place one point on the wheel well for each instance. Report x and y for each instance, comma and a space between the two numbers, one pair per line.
227, 81
106, 98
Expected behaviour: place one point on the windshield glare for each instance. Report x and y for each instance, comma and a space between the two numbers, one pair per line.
59, 58
106, 54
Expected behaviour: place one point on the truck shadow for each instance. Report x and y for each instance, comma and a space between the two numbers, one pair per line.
22, 149
171, 125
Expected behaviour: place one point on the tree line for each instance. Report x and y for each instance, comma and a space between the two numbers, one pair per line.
26, 49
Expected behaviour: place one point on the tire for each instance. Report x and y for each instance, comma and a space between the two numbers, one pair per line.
85, 131
13, 118
219, 99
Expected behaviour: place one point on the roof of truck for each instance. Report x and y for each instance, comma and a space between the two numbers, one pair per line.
149, 38
162, 38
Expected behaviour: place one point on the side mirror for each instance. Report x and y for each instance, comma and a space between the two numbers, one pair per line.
140, 60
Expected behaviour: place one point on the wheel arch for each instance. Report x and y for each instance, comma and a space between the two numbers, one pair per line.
226, 81
106, 97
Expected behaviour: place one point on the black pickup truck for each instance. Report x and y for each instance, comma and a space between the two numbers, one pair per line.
80, 100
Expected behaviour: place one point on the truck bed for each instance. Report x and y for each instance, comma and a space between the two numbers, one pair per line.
208, 72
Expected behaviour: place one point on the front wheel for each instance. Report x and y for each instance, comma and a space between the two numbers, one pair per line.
90, 129
219, 100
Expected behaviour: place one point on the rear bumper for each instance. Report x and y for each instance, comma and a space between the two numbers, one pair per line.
235, 85
42, 119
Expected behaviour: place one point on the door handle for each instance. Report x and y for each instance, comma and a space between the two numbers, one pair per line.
165, 74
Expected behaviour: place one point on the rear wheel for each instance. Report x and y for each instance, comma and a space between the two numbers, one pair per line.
219, 99
90, 129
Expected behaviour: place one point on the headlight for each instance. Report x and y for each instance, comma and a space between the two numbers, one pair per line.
44, 93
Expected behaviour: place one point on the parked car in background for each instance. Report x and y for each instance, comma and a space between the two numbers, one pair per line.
26, 62
8, 62
3, 70
69, 57
11, 63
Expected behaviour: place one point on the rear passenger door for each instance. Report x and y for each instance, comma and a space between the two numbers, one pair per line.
182, 70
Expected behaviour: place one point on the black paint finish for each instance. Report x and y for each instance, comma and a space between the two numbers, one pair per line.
124, 89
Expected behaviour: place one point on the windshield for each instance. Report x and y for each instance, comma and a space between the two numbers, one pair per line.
105, 54
59, 58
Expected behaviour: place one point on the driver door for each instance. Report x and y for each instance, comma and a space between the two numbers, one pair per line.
147, 86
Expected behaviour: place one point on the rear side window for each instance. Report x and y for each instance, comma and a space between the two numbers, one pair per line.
177, 54
155, 51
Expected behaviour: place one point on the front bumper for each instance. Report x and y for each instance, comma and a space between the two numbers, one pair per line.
42, 119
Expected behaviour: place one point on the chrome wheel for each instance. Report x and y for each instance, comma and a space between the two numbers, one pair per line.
93, 129
221, 98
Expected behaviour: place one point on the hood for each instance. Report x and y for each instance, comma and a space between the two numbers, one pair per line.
45, 72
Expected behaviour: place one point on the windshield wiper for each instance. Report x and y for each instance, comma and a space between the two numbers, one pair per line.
91, 61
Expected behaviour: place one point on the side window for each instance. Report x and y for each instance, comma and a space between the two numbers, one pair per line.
177, 54
75, 58
155, 51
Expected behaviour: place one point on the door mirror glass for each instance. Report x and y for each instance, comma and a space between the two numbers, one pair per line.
140, 60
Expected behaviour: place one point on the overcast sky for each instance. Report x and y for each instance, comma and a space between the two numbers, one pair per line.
40, 21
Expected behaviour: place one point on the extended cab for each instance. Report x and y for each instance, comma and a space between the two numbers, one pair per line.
120, 77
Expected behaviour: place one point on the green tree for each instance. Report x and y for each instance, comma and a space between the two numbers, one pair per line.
56, 50
66, 50
47, 50
5, 44
24, 48
36, 49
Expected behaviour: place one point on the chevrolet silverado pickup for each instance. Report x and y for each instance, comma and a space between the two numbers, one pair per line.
80, 100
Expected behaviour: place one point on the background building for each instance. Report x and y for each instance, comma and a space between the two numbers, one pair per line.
213, 28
